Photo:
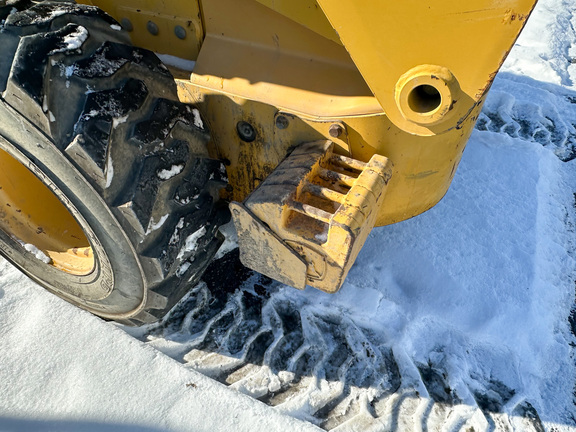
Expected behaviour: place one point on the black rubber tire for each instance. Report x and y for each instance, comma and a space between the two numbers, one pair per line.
99, 122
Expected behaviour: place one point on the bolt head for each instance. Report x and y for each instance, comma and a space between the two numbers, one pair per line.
245, 131
180, 32
335, 130
152, 28
126, 24
282, 122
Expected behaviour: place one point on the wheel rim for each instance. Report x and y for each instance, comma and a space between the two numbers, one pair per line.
34, 216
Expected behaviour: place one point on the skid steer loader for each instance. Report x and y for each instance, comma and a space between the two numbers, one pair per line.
308, 121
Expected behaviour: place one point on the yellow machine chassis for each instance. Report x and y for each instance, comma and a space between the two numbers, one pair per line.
402, 80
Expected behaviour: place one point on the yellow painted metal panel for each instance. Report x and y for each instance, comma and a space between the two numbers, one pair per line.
388, 39
171, 27
305, 12
277, 61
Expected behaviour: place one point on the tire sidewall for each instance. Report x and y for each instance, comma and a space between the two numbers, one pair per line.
113, 289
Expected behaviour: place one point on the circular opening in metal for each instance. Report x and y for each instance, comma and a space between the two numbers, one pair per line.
424, 99
33, 216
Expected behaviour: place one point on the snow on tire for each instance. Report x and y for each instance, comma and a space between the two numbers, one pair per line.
99, 122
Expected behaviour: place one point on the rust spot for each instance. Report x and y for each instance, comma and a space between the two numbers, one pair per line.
75, 250
40, 230
86, 252
491, 78
510, 16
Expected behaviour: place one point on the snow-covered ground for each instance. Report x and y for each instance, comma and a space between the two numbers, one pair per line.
481, 288
64, 370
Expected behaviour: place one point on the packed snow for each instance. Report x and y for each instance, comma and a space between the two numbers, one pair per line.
38, 254
167, 174
153, 225
75, 40
480, 287
197, 119
191, 243
62, 369
185, 65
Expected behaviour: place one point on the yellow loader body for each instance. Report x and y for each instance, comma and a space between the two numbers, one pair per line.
331, 116
400, 80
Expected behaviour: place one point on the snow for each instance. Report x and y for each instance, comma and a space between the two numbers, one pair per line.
38, 254
65, 370
109, 171
153, 225
186, 65
117, 121
483, 283
480, 287
74, 40
197, 119
230, 240
191, 242
174, 170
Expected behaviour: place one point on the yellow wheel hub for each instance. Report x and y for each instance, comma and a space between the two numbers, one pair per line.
32, 214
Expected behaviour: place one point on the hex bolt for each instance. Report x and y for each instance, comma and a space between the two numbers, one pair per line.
152, 28
180, 32
282, 122
126, 24
335, 130
246, 131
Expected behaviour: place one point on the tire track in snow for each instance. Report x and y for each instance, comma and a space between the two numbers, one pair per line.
322, 367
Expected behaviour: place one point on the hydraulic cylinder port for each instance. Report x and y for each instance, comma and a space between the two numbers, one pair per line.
424, 99
32, 215
425, 94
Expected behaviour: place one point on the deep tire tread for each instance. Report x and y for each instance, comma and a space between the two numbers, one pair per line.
116, 93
